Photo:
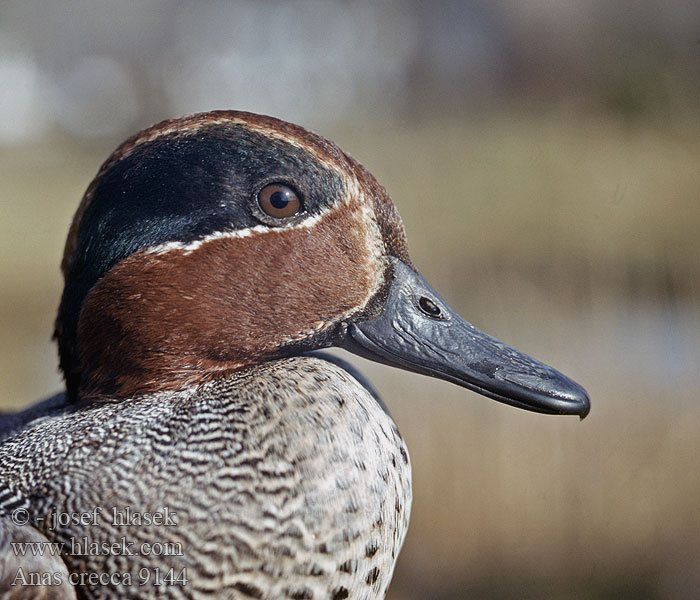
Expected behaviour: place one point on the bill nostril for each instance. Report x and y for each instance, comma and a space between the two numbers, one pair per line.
429, 307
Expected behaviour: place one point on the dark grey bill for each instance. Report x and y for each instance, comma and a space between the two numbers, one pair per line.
419, 332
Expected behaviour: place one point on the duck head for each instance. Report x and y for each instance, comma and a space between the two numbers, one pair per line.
218, 241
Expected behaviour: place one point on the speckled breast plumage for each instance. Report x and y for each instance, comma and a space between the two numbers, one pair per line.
288, 480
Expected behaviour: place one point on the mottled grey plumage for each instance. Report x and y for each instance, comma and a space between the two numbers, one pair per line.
287, 480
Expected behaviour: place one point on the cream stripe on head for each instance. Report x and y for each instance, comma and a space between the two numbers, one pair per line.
326, 153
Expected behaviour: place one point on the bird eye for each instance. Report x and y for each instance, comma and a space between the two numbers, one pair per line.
279, 201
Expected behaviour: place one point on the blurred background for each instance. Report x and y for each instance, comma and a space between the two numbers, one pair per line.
545, 156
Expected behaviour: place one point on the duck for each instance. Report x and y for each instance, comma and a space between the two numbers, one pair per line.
205, 445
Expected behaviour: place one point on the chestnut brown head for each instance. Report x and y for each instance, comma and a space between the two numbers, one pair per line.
217, 241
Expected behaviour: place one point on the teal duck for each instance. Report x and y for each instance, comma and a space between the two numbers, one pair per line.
203, 447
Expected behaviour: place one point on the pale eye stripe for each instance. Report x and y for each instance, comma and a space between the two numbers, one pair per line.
188, 247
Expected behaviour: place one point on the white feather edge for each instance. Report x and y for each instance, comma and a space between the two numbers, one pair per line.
188, 247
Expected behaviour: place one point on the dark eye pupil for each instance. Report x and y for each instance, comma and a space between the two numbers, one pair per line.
279, 200
429, 307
